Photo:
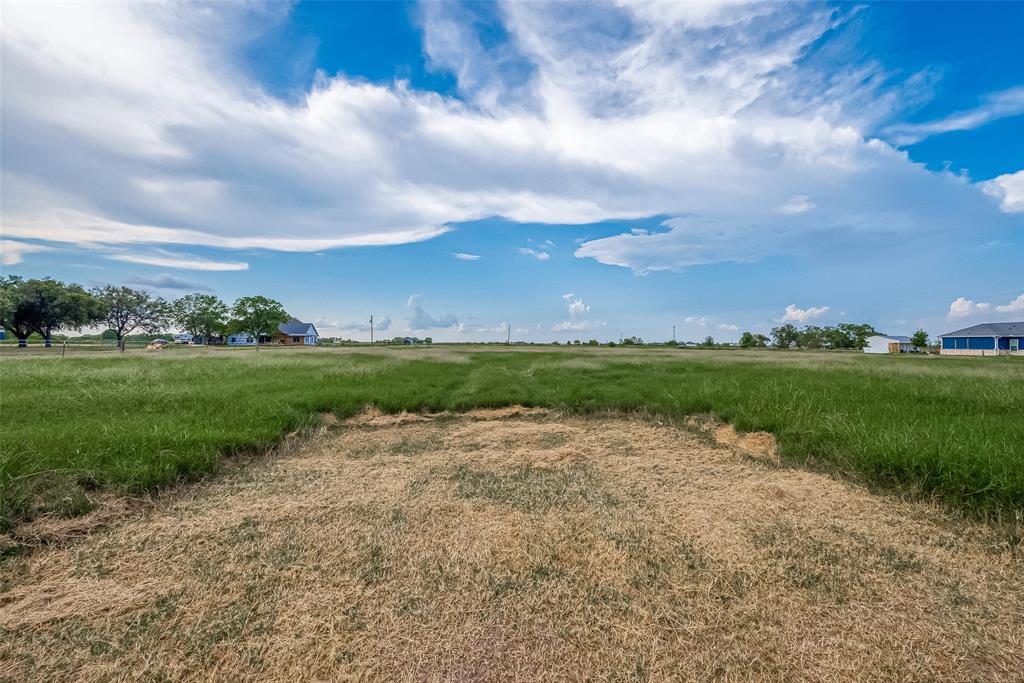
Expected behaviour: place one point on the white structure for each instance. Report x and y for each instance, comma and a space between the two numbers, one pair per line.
883, 343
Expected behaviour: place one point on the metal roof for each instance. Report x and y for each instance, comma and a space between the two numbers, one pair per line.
989, 330
894, 337
295, 328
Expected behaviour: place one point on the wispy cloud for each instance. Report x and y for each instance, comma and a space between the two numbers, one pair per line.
168, 259
539, 255
996, 106
465, 257
13, 252
165, 281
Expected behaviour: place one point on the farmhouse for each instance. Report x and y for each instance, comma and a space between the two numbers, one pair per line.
884, 343
296, 332
987, 339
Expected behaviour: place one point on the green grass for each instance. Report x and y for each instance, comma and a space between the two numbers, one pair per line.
951, 428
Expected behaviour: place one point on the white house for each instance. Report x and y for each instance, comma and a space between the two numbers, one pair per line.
884, 343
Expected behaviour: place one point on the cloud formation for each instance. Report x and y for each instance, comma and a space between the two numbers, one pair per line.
421, 320
13, 251
537, 254
165, 281
710, 114
802, 315
465, 257
1009, 189
963, 307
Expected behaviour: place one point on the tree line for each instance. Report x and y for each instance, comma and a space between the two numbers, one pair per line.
46, 307
841, 336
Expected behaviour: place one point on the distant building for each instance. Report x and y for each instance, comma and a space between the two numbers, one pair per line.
241, 339
296, 332
183, 338
885, 343
987, 339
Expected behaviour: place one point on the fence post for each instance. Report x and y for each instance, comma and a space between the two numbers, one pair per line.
64, 348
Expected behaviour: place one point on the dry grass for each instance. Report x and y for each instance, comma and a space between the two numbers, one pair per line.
519, 545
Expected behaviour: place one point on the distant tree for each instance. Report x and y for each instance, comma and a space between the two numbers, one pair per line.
811, 337
593, 342
45, 306
785, 336
857, 334
258, 315
428, 340
919, 339
632, 341
200, 315
126, 310
749, 340
708, 341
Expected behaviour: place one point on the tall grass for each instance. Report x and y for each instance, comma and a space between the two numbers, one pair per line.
948, 428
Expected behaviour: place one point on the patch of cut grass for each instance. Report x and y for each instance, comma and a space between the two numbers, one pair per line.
533, 489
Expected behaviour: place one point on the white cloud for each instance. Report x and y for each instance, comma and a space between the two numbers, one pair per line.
577, 325
577, 307
712, 112
421, 320
802, 315
963, 307
13, 251
465, 257
1009, 189
996, 106
173, 260
701, 321
1015, 306
539, 255
568, 296
728, 327
798, 203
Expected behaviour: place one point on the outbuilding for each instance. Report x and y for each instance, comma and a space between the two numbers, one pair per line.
986, 339
884, 343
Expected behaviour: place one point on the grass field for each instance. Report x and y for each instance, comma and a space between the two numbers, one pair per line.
507, 544
948, 428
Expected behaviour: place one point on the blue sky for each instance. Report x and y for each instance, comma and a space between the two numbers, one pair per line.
574, 171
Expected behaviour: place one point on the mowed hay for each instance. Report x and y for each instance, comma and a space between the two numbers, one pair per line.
529, 546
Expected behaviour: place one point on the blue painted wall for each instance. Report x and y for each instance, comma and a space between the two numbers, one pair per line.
979, 343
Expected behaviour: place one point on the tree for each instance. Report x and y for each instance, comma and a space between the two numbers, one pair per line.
45, 306
127, 310
708, 341
857, 334
749, 340
785, 336
258, 315
919, 339
200, 315
811, 337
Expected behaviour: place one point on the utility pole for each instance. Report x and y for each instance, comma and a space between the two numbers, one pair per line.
508, 341
371, 328
673, 334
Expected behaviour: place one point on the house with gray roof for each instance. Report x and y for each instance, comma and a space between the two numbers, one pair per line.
986, 339
296, 332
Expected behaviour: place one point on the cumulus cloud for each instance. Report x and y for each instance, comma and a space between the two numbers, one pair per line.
13, 251
963, 307
421, 320
465, 257
1009, 189
539, 255
711, 114
802, 315
701, 321
728, 327
165, 281
577, 307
